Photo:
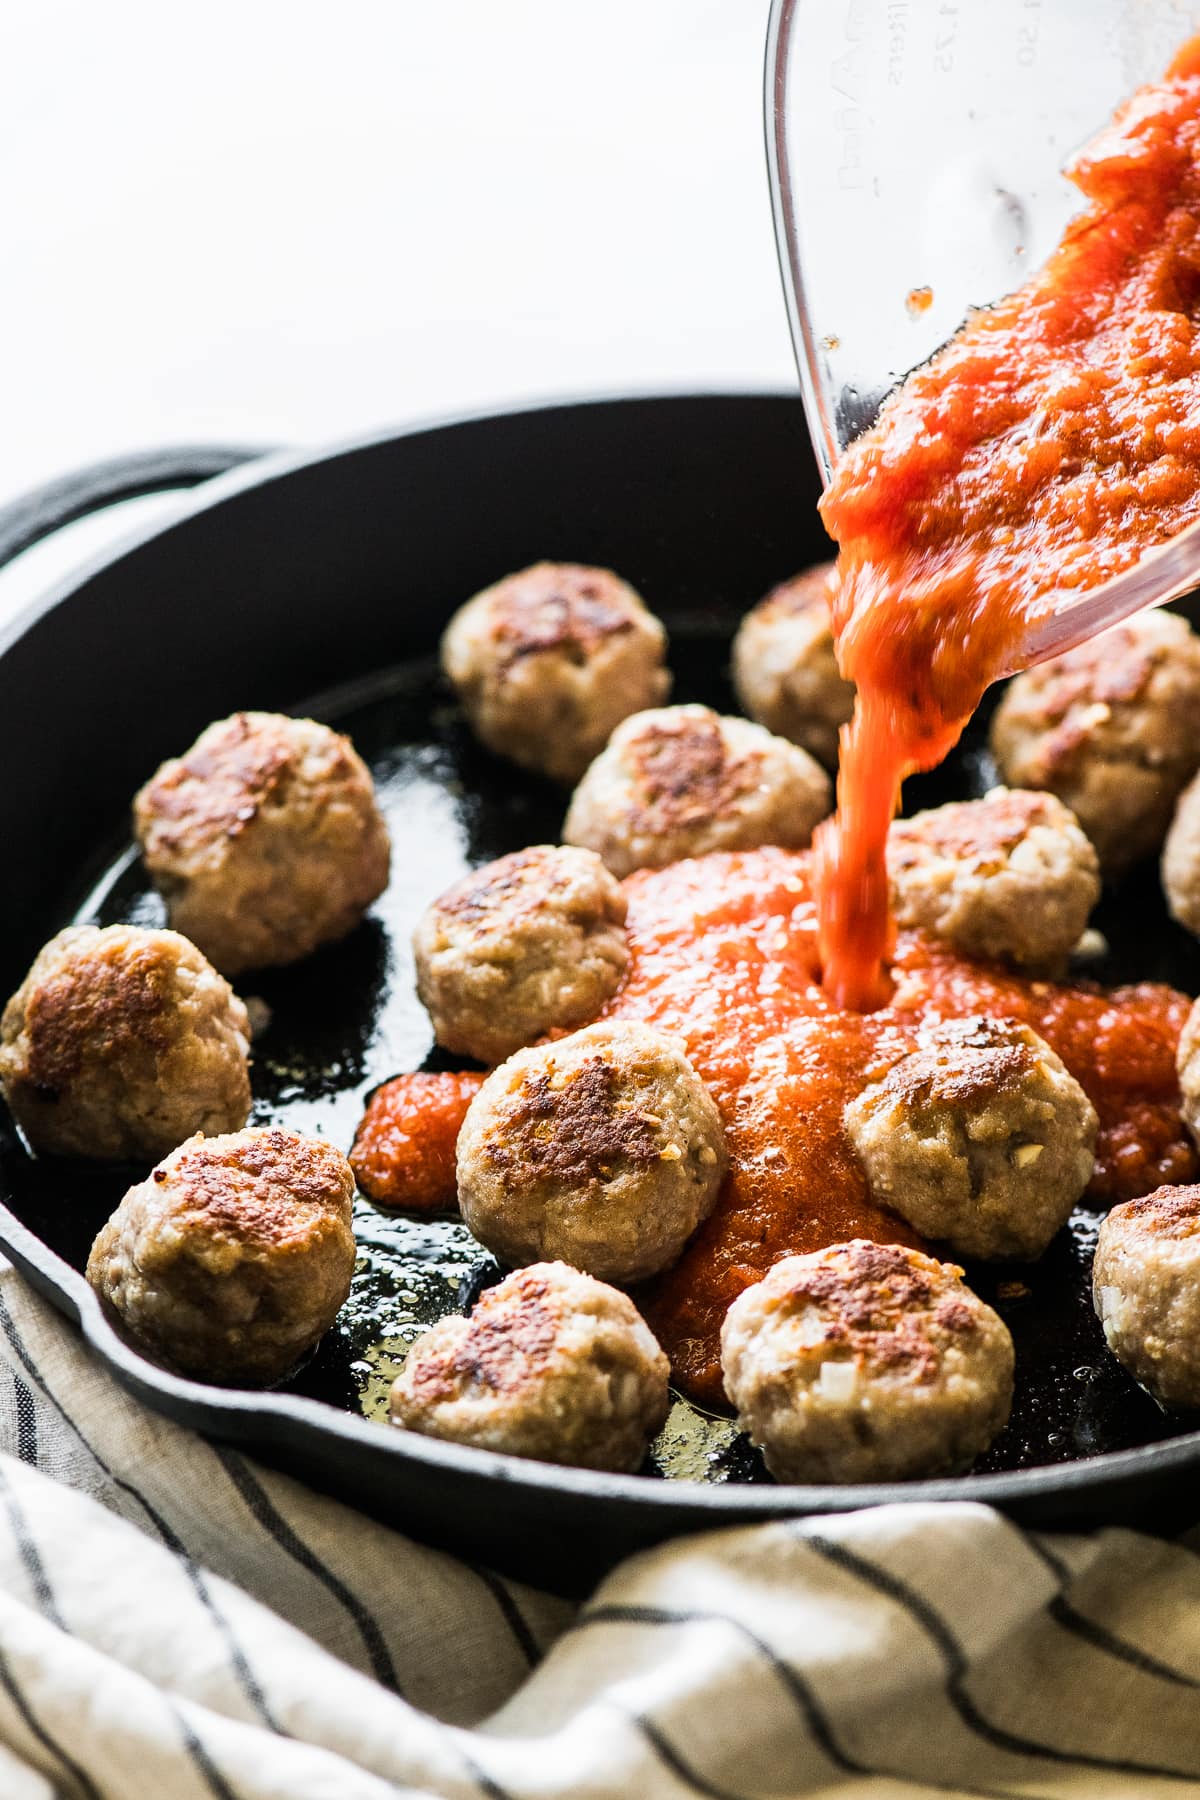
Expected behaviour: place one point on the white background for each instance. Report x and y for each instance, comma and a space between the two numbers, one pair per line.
282, 222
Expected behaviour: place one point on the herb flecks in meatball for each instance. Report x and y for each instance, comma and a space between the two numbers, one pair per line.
532, 943
1146, 1289
866, 1362
234, 1256
1010, 877
785, 670
1112, 728
603, 1150
979, 1138
265, 839
550, 1364
122, 1042
683, 780
549, 660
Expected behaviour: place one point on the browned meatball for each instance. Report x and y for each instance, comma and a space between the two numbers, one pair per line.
1009, 876
866, 1362
1146, 1289
1187, 1061
265, 840
531, 943
682, 780
120, 1043
233, 1257
979, 1137
785, 670
551, 1364
603, 1150
547, 661
1112, 728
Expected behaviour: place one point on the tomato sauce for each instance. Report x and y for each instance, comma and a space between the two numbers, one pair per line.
1050, 443
403, 1151
725, 953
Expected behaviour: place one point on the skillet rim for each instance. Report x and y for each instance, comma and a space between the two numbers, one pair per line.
673, 1505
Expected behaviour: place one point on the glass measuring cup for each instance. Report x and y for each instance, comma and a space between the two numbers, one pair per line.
915, 150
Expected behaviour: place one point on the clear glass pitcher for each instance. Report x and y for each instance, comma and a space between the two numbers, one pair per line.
915, 150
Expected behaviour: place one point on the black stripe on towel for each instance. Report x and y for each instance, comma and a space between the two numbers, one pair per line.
40, 1582
247, 1679
526, 1642
1098, 1636
958, 1669
81, 1781
277, 1527
815, 1718
26, 1409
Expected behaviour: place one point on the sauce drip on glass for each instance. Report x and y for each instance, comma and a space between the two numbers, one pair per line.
1049, 444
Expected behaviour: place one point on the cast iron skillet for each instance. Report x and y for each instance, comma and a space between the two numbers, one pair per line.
323, 581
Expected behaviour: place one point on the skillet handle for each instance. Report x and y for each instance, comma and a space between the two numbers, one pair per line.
44, 510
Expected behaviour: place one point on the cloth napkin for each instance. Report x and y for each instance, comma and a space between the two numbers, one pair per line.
178, 1622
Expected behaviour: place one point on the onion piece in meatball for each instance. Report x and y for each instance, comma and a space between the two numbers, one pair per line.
551, 1364
603, 1150
532, 943
1112, 728
866, 1362
122, 1042
265, 839
1010, 877
785, 671
683, 780
979, 1138
547, 661
1146, 1289
233, 1257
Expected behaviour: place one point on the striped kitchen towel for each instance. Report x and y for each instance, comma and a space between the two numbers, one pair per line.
176, 1622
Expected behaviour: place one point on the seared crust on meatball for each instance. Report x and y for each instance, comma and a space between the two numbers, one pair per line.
120, 1043
265, 840
551, 1364
785, 671
979, 1138
1146, 1289
1112, 728
233, 1257
1010, 876
682, 780
547, 661
531, 943
866, 1362
603, 1150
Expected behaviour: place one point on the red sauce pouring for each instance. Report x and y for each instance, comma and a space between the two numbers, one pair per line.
1048, 445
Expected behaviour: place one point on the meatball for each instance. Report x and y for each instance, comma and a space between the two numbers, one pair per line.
533, 942
233, 1257
1146, 1290
265, 840
979, 1137
1181, 859
682, 780
866, 1362
1010, 876
551, 1364
120, 1043
1112, 728
547, 661
784, 668
1188, 1063
603, 1150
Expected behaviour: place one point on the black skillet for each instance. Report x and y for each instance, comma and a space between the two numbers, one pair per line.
321, 582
